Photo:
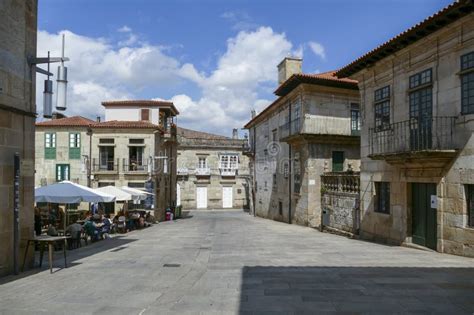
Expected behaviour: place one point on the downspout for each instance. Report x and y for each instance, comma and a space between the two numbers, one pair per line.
254, 144
289, 165
89, 167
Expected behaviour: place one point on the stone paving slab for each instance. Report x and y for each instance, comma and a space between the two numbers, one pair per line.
227, 262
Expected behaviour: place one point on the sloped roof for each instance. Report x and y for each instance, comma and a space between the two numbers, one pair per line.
73, 121
143, 103
431, 24
326, 78
193, 134
130, 124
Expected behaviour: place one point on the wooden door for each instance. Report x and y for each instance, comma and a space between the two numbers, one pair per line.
201, 197
424, 221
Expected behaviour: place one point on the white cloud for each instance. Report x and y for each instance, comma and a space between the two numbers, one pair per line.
100, 70
240, 20
317, 49
124, 29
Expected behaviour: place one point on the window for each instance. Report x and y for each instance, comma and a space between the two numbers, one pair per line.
382, 197
74, 146
135, 159
136, 141
106, 141
139, 185
62, 172
470, 205
338, 161
382, 108
228, 161
355, 119
274, 135
202, 163
421, 78
467, 83
103, 184
145, 114
50, 146
106, 158
274, 186
280, 208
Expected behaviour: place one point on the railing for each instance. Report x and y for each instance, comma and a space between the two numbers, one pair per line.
105, 166
130, 165
203, 171
228, 171
341, 182
182, 171
170, 132
428, 134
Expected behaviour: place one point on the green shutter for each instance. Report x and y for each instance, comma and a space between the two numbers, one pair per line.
74, 153
50, 152
337, 161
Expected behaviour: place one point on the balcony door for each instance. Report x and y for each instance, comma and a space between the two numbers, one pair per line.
106, 157
135, 158
421, 111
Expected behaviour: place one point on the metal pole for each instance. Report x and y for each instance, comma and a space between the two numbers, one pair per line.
16, 210
289, 166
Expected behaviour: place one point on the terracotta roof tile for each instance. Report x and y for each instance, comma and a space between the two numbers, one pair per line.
327, 79
74, 121
431, 24
125, 124
192, 134
147, 103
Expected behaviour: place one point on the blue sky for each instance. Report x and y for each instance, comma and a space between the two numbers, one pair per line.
215, 59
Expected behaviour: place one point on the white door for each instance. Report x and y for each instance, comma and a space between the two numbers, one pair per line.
227, 197
201, 197
178, 195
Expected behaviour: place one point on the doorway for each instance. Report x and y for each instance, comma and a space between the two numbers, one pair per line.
227, 197
201, 197
424, 222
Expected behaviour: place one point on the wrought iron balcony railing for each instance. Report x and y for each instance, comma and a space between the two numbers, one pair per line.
131, 165
416, 134
110, 165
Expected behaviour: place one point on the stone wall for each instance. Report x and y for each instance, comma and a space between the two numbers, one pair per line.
441, 52
340, 202
190, 150
17, 118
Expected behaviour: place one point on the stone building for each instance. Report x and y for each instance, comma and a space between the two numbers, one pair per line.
135, 146
417, 95
18, 23
310, 129
212, 171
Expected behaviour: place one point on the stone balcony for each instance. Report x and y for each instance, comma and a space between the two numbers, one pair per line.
319, 128
202, 171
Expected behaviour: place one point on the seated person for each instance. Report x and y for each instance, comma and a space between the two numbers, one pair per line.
91, 230
107, 226
52, 230
74, 229
150, 218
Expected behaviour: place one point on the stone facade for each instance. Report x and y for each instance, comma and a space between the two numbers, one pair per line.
313, 119
446, 160
18, 23
115, 152
225, 187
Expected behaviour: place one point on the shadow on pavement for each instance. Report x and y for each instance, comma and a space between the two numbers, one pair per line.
356, 290
72, 257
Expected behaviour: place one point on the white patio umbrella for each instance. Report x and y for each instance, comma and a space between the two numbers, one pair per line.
68, 192
120, 195
137, 194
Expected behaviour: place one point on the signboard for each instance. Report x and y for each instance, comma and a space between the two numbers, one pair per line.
434, 202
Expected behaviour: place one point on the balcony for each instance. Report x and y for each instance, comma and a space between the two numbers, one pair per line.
203, 171
182, 171
135, 167
319, 128
228, 171
415, 140
169, 133
105, 166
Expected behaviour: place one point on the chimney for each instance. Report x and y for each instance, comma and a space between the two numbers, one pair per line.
253, 113
235, 133
98, 119
288, 67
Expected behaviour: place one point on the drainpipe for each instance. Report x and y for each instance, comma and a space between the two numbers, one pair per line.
254, 144
289, 165
89, 167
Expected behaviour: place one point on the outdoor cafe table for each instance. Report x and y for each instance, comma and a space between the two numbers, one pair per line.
49, 240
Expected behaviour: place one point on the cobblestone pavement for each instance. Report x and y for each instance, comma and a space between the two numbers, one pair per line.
231, 262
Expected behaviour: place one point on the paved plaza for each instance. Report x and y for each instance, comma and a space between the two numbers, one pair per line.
230, 262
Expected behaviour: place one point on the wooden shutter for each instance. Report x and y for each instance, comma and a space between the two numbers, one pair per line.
145, 114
